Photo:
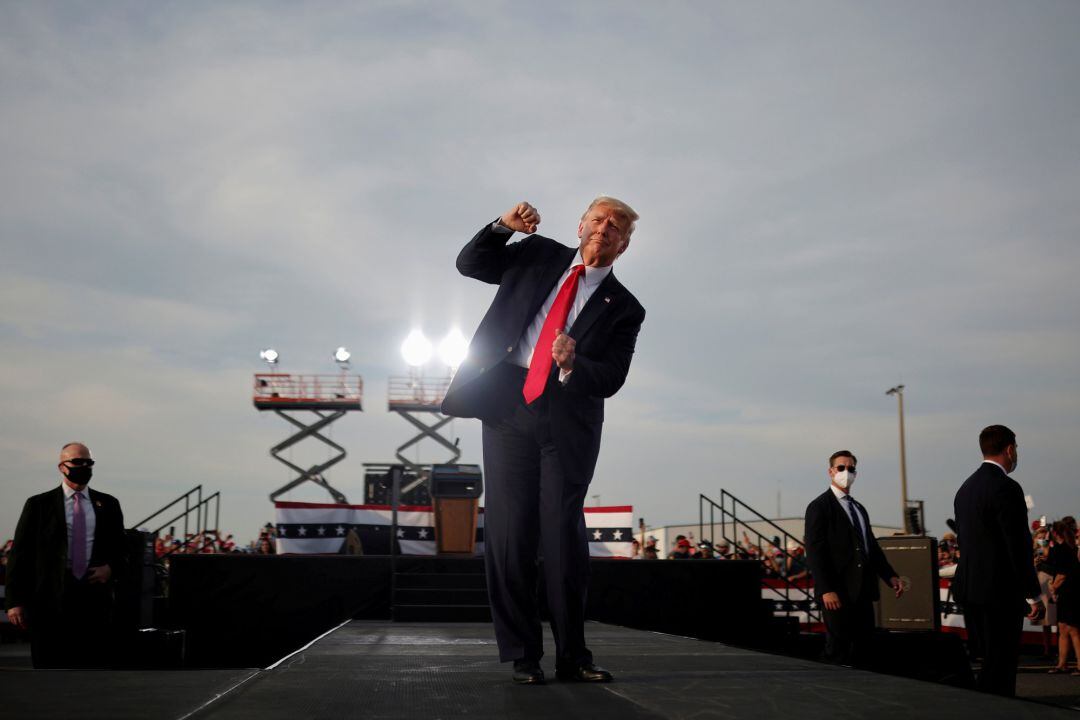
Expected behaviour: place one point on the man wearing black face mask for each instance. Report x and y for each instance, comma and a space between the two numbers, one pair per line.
69, 545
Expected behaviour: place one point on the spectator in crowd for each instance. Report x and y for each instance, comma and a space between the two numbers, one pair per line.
846, 561
1045, 573
635, 550
265, 546
995, 574
67, 552
651, 552
796, 565
723, 550
681, 550
705, 551
1065, 589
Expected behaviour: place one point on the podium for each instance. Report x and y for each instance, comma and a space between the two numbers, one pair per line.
456, 490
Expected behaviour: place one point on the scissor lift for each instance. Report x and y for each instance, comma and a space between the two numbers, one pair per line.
328, 397
414, 398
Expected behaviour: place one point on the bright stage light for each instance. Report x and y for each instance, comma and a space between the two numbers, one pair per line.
270, 355
341, 355
416, 349
453, 348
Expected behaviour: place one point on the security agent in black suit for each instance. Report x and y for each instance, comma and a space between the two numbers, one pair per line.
539, 457
995, 574
69, 617
846, 562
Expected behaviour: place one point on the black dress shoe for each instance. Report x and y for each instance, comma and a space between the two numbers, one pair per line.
585, 672
528, 672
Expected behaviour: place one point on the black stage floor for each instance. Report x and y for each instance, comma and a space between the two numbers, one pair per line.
375, 669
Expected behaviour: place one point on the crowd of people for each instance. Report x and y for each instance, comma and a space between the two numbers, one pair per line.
777, 562
212, 542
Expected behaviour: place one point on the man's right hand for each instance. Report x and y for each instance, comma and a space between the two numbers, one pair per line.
17, 617
831, 601
523, 217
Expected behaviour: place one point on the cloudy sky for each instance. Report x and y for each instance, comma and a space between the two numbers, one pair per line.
836, 197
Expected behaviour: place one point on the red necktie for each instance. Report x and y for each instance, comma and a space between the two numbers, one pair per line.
78, 538
540, 366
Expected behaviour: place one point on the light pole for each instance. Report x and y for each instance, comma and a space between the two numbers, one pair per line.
898, 391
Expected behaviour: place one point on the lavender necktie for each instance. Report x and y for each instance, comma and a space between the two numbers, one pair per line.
78, 538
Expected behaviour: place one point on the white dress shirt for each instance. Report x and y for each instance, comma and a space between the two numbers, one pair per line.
88, 514
587, 284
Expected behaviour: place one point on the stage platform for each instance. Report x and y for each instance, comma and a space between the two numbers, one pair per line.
378, 669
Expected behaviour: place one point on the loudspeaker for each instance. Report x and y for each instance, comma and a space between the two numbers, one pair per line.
377, 489
914, 558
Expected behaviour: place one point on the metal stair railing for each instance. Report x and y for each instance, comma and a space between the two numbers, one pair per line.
729, 509
197, 505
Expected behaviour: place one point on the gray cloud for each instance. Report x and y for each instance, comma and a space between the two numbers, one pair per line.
834, 199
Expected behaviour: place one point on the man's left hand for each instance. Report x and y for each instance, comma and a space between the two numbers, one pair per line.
1038, 611
99, 574
562, 351
897, 586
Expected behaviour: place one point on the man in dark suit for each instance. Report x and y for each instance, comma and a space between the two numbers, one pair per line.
846, 561
68, 549
995, 574
556, 341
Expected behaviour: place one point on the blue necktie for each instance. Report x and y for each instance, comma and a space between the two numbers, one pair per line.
854, 513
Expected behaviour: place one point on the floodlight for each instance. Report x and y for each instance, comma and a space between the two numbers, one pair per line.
453, 348
341, 355
270, 355
416, 349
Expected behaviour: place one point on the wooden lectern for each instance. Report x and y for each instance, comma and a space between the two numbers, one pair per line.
456, 490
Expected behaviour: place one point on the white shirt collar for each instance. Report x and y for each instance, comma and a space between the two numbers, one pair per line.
998, 464
593, 275
68, 492
840, 494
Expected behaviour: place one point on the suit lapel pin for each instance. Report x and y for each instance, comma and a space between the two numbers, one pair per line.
607, 298
97, 503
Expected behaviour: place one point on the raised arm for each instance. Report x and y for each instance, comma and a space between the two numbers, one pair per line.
487, 255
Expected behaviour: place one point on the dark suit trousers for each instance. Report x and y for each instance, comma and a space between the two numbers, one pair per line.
850, 632
79, 633
995, 631
531, 504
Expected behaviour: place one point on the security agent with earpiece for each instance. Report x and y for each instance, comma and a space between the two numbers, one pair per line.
846, 562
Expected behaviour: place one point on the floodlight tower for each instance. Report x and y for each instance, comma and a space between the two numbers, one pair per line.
416, 395
328, 397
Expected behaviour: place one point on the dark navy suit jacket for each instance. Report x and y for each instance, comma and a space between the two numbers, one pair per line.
39, 554
995, 565
832, 552
605, 332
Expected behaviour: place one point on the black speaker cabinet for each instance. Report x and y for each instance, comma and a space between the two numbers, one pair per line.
914, 558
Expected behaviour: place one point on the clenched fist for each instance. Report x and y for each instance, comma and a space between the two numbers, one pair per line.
523, 217
562, 351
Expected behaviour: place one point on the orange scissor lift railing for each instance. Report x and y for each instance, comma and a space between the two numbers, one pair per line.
413, 396
328, 397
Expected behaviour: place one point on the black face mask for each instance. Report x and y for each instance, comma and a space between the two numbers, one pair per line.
79, 475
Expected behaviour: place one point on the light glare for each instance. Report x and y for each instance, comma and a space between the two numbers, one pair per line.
270, 355
453, 348
416, 349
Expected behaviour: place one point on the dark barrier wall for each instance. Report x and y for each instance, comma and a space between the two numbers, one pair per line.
250, 610
707, 599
